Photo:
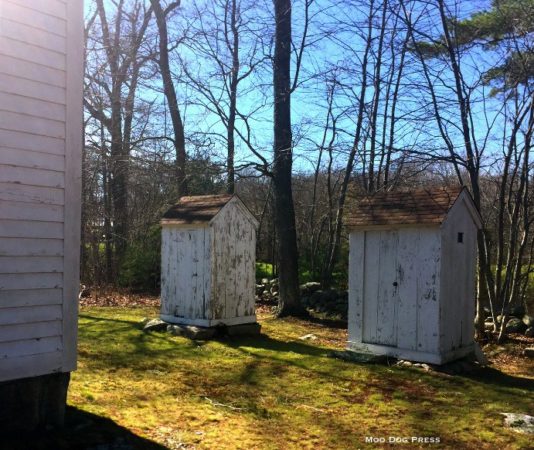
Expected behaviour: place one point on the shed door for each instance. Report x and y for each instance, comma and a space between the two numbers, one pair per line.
380, 290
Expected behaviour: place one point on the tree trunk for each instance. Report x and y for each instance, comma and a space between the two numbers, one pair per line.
234, 80
119, 178
289, 300
170, 95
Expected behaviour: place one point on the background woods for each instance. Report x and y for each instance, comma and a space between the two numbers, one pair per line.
302, 107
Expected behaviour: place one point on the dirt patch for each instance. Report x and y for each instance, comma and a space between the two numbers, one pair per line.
509, 356
116, 298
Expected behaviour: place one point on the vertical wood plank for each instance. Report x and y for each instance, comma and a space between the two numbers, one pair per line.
207, 274
356, 284
198, 311
458, 279
179, 307
192, 297
166, 298
387, 291
428, 290
408, 272
250, 262
230, 219
372, 270
470, 288
242, 274
219, 271
184, 287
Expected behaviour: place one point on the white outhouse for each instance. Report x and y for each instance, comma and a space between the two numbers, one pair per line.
412, 274
208, 258
41, 94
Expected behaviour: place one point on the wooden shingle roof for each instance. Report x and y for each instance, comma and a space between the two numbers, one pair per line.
196, 209
423, 206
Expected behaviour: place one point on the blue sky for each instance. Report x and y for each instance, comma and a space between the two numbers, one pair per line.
309, 100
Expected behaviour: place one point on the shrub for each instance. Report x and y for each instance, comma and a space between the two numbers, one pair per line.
141, 266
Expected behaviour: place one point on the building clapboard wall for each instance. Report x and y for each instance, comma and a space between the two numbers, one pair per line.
41, 75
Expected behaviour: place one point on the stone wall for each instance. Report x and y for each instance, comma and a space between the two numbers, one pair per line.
332, 303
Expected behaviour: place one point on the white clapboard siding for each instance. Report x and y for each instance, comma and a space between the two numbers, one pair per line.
12, 281
29, 35
14, 67
31, 264
31, 211
28, 297
32, 52
208, 271
24, 347
32, 124
31, 194
24, 141
15, 11
31, 159
32, 177
31, 247
54, 8
32, 365
30, 229
41, 86
9, 333
32, 89
12, 316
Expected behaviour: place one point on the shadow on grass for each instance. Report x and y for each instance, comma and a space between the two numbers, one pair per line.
82, 431
487, 376
494, 377
278, 350
107, 319
264, 342
328, 323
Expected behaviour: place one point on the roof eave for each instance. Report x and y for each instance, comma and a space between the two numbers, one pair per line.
391, 226
181, 223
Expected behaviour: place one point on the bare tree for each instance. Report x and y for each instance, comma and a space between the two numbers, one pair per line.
169, 90
228, 37
111, 85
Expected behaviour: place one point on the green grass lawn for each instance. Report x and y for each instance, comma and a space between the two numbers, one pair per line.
279, 392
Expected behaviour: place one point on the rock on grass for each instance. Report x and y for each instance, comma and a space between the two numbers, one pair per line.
520, 423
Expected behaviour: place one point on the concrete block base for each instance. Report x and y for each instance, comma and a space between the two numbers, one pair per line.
34, 403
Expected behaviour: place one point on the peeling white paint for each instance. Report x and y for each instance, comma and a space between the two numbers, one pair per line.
412, 289
208, 271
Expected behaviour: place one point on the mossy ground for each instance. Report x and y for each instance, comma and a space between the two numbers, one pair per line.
278, 391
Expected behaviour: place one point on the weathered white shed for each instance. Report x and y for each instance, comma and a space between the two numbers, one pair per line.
41, 80
208, 262
412, 274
